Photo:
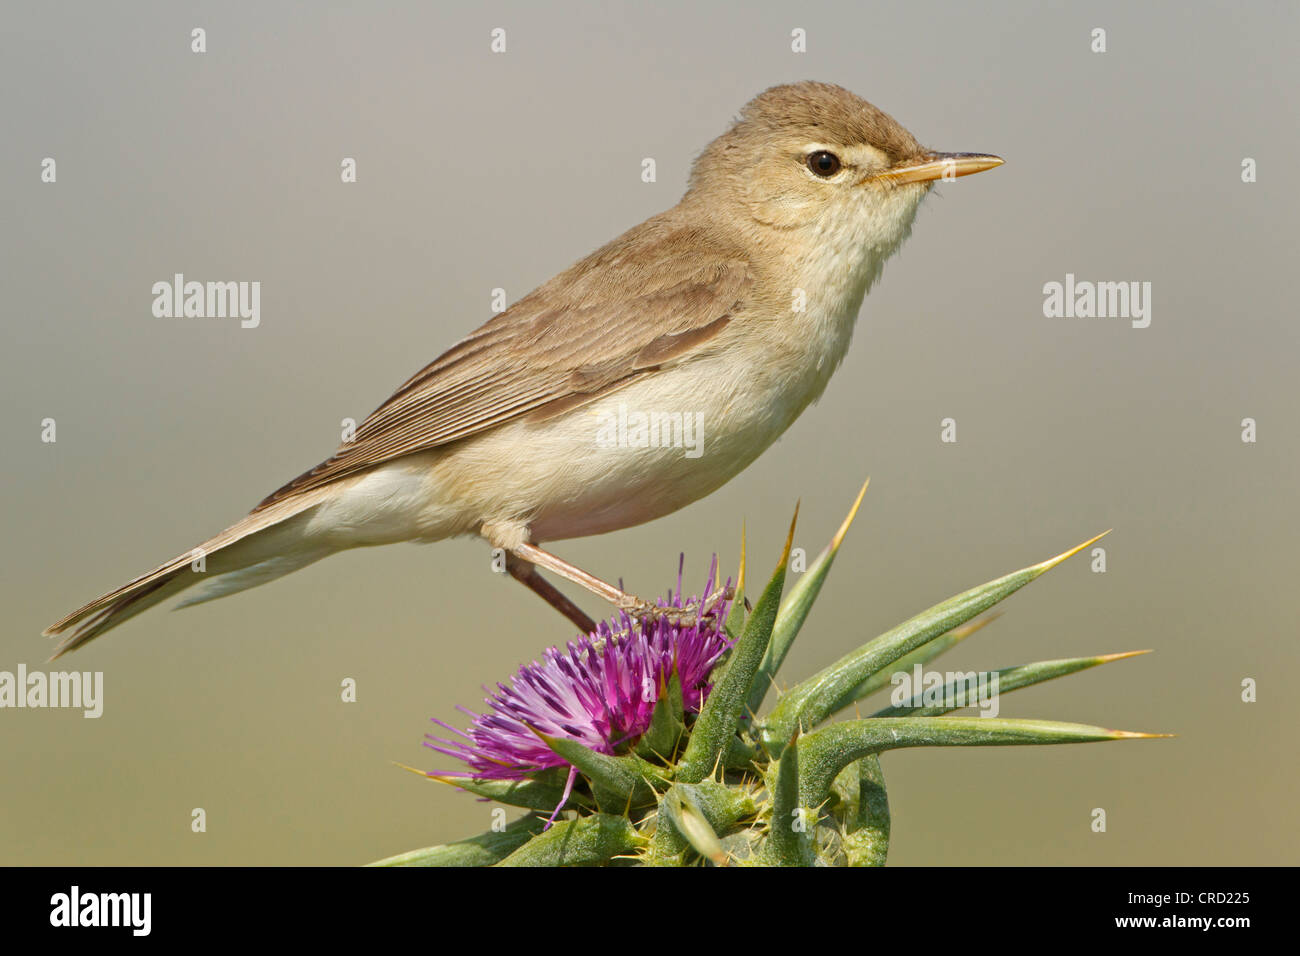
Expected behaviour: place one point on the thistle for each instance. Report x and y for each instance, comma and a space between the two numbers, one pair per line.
647, 736
603, 694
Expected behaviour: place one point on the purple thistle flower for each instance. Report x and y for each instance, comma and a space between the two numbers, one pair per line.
601, 692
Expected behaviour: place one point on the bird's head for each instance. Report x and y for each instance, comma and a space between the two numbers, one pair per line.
816, 162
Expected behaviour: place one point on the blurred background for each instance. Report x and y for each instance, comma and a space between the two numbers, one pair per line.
479, 170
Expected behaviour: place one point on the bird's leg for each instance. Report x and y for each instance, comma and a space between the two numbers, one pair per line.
525, 573
634, 606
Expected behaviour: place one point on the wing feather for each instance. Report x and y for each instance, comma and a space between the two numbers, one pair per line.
649, 299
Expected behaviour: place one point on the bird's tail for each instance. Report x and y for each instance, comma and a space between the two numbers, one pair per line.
263, 546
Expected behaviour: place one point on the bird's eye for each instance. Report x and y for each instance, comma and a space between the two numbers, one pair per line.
823, 163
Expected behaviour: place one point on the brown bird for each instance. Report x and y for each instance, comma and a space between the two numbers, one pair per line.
723, 317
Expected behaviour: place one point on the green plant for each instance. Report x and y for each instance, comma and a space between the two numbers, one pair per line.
689, 773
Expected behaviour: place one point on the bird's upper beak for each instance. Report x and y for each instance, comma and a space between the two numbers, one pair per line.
934, 166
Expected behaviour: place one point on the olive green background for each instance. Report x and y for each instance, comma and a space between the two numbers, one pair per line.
479, 171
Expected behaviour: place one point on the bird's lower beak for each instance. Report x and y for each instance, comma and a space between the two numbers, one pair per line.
943, 166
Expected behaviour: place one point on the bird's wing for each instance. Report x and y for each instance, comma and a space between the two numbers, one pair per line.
637, 305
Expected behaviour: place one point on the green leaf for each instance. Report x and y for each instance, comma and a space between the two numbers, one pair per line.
812, 701
922, 655
583, 842
616, 782
687, 818
794, 609
735, 622
676, 699
482, 850
666, 722
543, 791
866, 840
720, 716
824, 753
956, 693
724, 805
725, 808
790, 832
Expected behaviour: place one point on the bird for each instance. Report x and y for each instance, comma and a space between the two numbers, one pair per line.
731, 310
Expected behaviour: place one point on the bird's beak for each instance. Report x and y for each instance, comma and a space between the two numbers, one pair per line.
943, 166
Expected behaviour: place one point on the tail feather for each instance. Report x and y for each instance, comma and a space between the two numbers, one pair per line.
249, 577
225, 566
120, 610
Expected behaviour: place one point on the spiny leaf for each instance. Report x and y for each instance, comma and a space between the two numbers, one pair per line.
583, 842
824, 753
676, 698
542, 791
795, 607
686, 816
666, 721
812, 701
866, 838
616, 782
736, 616
724, 807
956, 693
482, 850
789, 840
718, 719
922, 655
